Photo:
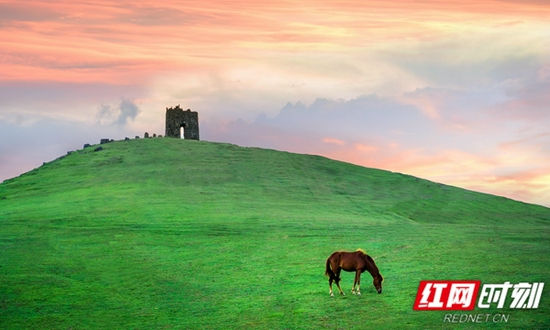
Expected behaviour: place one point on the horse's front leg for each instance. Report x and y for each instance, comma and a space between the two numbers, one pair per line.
356, 281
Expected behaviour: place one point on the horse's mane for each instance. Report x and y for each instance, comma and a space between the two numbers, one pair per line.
362, 251
369, 258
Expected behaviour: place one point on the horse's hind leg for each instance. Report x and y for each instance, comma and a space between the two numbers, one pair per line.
337, 280
330, 286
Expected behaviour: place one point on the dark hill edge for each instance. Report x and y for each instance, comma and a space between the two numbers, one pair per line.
213, 177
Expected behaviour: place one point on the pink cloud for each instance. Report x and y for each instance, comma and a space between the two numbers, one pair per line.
77, 41
334, 141
365, 148
458, 169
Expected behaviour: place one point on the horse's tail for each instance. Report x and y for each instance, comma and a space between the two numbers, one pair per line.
329, 272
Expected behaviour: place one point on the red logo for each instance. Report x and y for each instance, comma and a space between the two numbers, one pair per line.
446, 295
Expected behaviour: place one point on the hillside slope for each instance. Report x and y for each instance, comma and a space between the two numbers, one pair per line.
166, 233
174, 173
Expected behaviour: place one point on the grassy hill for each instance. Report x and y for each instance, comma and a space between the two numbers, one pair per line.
174, 234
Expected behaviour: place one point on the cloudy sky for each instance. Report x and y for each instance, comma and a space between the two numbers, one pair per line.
456, 92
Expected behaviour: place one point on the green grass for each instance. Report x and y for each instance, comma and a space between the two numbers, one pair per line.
173, 234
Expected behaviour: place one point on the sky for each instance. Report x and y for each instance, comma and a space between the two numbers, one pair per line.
456, 92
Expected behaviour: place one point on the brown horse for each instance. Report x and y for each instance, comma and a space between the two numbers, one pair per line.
357, 262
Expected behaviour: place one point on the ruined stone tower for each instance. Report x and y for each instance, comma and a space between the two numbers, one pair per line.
176, 118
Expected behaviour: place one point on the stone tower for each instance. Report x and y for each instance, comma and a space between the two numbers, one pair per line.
176, 118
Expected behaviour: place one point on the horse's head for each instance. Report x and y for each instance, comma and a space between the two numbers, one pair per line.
377, 282
373, 270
